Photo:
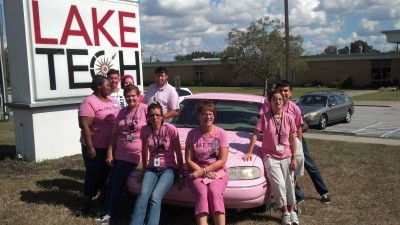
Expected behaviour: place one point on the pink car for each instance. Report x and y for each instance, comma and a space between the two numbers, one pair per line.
237, 114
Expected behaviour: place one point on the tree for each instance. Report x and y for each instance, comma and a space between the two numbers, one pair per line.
197, 54
330, 50
358, 46
260, 50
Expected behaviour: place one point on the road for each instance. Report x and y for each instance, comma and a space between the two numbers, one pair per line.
376, 119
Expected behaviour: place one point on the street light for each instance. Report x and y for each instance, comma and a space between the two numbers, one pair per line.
287, 41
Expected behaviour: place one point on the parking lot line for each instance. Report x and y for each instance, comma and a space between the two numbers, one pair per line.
365, 127
390, 133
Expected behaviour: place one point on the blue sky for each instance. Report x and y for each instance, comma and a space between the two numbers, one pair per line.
171, 27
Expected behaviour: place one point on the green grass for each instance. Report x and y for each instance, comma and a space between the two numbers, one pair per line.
379, 96
362, 180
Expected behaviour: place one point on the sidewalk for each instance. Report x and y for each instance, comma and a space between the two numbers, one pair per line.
352, 138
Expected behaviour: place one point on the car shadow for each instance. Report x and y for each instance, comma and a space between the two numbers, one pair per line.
7, 151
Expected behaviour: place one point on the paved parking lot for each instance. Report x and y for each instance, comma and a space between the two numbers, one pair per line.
375, 121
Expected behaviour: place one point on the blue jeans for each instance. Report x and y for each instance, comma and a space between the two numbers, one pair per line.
117, 182
97, 171
313, 172
148, 204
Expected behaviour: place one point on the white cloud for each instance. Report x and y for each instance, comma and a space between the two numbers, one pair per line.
368, 27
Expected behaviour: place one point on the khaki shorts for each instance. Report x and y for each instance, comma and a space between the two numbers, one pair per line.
299, 158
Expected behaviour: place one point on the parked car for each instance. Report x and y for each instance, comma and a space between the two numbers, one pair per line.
321, 108
237, 114
183, 93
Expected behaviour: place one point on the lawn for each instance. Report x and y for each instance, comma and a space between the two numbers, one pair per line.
362, 178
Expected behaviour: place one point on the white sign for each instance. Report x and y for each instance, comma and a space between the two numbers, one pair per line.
74, 40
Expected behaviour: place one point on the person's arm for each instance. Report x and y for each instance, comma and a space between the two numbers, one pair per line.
221, 161
85, 123
292, 139
189, 157
304, 127
253, 139
171, 114
178, 152
111, 149
299, 133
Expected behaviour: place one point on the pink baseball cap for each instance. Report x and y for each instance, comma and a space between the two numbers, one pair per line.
127, 76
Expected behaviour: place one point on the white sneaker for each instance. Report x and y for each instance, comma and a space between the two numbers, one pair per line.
286, 219
294, 218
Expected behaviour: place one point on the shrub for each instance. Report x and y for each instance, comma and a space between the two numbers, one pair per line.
347, 82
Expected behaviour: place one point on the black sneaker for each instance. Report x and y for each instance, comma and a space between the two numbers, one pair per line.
299, 201
325, 199
84, 210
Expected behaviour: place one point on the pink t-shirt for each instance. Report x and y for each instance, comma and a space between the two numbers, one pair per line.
103, 114
127, 128
206, 149
162, 138
290, 108
274, 129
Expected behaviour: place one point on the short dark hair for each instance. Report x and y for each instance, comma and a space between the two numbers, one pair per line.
284, 83
112, 71
131, 87
272, 92
206, 105
160, 70
155, 105
97, 80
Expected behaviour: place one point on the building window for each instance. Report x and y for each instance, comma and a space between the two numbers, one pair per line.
381, 71
199, 74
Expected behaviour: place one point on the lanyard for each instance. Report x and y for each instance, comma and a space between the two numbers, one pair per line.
131, 126
157, 145
276, 126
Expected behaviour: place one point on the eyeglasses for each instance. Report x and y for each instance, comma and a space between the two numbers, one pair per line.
205, 115
155, 115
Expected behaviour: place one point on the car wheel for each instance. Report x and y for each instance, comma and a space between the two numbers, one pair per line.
322, 122
347, 119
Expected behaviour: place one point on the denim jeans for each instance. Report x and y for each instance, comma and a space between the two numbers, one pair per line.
117, 182
97, 171
148, 204
313, 172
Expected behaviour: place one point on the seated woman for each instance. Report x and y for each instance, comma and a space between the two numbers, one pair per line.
160, 144
206, 153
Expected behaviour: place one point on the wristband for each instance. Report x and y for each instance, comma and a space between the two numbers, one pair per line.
204, 170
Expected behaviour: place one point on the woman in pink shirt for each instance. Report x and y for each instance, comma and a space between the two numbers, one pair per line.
206, 153
97, 115
128, 79
160, 145
279, 154
124, 151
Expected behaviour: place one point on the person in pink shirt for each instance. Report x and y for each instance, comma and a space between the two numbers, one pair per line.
206, 153
279, 154
96, 115
128, 79
162, 160
124, 151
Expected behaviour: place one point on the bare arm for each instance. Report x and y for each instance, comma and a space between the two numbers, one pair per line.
253, 139
292, 139
171, 114
85, 123
178, 152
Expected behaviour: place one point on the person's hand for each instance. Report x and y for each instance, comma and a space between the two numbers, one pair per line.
247, 156
293, 164
196, 174
211, 175
109, 160
91, 152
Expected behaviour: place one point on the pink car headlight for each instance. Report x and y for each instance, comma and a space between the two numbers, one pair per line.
244, 173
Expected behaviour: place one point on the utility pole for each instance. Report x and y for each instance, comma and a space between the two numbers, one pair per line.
287, 75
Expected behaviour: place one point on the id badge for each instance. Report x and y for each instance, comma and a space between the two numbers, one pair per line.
215, 144
129, 137
279, 147
156, 162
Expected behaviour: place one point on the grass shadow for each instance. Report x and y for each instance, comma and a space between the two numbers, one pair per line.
7, 151
76, 174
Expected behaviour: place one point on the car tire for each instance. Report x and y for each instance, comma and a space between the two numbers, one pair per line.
323, 121
347, 119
